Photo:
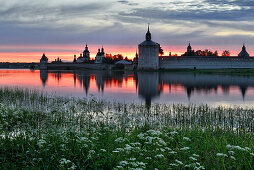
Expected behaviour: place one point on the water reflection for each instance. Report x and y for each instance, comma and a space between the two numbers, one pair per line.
149, 87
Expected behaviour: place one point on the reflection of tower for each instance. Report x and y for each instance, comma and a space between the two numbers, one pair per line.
43, 77
58, 76
243, 90
74, 78
148, 87
84, 81
189, 91
100, 81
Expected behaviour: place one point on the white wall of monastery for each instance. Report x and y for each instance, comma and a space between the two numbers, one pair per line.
205, 63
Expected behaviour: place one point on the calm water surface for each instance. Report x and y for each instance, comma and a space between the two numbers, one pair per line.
142, 87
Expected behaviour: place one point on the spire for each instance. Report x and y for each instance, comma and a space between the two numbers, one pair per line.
244, 48
148, 34
102, 49
189, 47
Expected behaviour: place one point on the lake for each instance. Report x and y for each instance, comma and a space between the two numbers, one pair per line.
141, 87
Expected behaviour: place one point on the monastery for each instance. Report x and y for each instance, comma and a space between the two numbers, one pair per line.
149, 59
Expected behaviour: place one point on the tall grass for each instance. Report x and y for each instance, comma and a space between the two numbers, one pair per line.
39, 130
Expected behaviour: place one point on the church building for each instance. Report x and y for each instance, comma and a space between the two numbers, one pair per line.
85, 57
100, 56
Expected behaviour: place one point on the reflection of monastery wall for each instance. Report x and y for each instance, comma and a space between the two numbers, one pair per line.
71, 66
206, 79
205, 63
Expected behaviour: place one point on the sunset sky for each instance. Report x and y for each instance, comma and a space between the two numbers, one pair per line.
60, 28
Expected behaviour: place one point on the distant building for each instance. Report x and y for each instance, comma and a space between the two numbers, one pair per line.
57, 61
244, 53
100, 56
85, 57
75, 59
148, 53
43, 62
135, 60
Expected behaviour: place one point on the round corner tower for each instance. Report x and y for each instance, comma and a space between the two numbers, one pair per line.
148, 54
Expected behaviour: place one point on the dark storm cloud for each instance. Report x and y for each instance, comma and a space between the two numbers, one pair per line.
36, 22
30, 13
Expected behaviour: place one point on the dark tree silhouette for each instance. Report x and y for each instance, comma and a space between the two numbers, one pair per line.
161, 52
226, 53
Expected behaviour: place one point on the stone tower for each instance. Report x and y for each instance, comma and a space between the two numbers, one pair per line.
43, 62
148, 53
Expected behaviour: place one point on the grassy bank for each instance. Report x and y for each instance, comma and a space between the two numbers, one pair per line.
42, 131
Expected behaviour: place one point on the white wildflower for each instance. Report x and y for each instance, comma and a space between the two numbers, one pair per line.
231, 152
123, 163
167, 148
148, 158
91, 153
128, 147
134, 164
195, 155
103, 150
187, 139
179, 162
84, 139
221, 155
73, 166
154, 132
159, 156
192, 158
247, 149
119, 149
173, 164
184, 148
232, 157
141, 136
201, 167
64, 161
120, 139
173, 133
41, 142
173, 152
132, 159
119, 167
141, 164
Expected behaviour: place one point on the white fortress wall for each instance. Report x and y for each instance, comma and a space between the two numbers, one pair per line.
204, 63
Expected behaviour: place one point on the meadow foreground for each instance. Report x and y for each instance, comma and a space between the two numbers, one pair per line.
43, 131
